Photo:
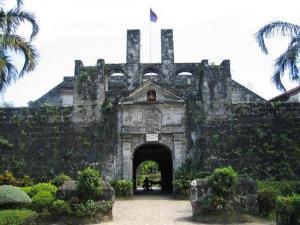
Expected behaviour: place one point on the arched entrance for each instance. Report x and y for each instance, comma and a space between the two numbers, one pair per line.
160, 154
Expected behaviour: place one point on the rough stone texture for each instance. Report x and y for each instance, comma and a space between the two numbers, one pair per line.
245, 200
193, 117
68, 190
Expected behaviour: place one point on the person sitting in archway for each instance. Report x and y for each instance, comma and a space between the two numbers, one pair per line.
146, 184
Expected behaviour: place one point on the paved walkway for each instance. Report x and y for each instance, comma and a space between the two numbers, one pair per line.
153, 210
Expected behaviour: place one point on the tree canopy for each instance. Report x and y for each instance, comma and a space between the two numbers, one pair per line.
287, 61
12, 43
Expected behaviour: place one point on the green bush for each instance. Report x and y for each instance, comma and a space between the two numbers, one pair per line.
59, 208
285, 188
12, 197
17, 217
90, 184
223, 181
123, 188
7, 178
41, 187
42, 201
90, 208
266, 199
60, 179
288, 210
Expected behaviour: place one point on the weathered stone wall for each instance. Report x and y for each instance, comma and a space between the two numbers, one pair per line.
259, 139
42, 142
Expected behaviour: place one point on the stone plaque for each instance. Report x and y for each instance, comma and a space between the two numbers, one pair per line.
151, 137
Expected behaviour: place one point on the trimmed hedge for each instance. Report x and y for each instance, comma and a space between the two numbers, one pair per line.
41, 187
13, 197
123, 188
18, 217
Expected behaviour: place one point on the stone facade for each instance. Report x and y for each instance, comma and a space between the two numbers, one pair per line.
113, 116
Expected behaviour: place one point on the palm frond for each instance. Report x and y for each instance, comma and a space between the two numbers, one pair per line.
19, 3
18, 44
8, 71
278, 27
287, 62
14, 17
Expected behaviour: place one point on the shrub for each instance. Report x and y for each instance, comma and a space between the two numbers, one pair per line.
27, 181
60, 179
17, 217
90, 184
41, 187
90, 208
42, 201
59, 208
285, 188
123, 188
11, 197
288, 210
266, 200
223, 181
9, 179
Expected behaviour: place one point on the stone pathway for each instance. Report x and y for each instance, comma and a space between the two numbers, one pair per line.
154, 210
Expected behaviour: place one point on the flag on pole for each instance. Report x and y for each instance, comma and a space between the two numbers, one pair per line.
153, 16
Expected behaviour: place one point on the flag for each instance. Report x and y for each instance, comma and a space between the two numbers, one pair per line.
153, 16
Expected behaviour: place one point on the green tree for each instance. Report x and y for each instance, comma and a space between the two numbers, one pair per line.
11, 43
287, 61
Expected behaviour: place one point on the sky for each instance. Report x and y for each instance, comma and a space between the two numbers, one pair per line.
96, 29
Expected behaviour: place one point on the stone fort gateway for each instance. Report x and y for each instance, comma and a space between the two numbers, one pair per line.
115, 116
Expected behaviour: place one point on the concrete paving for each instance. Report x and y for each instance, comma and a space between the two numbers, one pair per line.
155, 210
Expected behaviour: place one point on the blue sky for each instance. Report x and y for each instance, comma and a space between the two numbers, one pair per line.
213, 30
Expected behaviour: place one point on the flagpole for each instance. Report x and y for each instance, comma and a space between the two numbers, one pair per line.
150, 35
150, 40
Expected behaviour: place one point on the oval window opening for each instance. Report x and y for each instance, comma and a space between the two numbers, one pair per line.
117, 75
185, 74
151, 74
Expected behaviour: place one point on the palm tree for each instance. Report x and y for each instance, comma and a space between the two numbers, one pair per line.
288, 61
11, 42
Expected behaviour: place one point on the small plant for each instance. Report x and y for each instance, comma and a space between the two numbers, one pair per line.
223, 181
9, 179
60, 180
13, 197
60, 208
90, 184
42, 201
288, 210
90, 208
123, 188
266, 200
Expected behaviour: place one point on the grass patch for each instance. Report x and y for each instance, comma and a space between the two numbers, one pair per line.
17, 217
228, 217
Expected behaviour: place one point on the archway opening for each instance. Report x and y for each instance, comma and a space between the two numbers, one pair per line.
160, 154
148, 170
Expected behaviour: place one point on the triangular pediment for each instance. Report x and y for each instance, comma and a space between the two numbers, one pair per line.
140, 94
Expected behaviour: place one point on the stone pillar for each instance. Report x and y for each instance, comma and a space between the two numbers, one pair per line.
89, 92
133, 58
127, 159
167, 55
179, 156
133, 46
167, 46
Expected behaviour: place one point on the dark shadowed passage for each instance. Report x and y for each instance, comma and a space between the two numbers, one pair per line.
158, 153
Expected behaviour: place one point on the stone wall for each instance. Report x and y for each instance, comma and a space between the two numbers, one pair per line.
259, 139
42, 142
